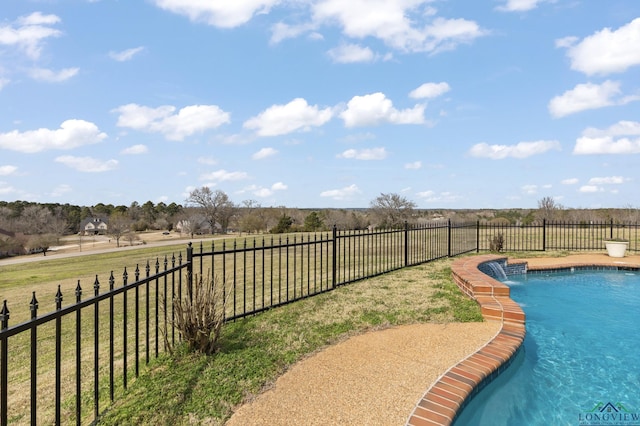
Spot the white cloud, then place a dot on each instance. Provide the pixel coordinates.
(61, 190)
(187, 121)
(376, 108)
(433, 197)
(351, 53)
(590, 189)
(608, 180)
(125, 55)
(43, 74)
(519, 5)
(341, 194)
(404, 25)
(587, 96)
(566, 41)
(210, 161)
(87, 164)
(607, 51)
(358, 137)
(621, 128)
(413, 166)
(224, 14)
(7, 170)
(135, 149)
(4, 82)
(364, 154)
(5, 189)
(297, 115)
(520, 150)
(235, 139)
(262, 192)
(609, 141)
(71, 134)
(569, 181)
(264, 153)
(430, 90)
(28, 33)
(281, 31)
(223, 176)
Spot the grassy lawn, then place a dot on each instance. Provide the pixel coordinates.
(196, 389)
(188, 388)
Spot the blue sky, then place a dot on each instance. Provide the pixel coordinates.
(321, 103)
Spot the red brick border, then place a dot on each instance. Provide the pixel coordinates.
(447, 396)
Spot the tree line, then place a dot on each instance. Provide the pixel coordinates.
(28, 226)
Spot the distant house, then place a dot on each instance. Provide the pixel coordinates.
(195, 225)
(94, 226)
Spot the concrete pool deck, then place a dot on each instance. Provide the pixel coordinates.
(379, 378)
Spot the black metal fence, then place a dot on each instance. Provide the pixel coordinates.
(68, 365)
(570, 236)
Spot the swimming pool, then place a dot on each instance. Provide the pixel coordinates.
(579, 364)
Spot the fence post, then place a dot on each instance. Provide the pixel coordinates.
(190, 271)
(33, 306)
(59, 355)
(544, 234)
(334, 266)
(448, 237)
(406, 244)
(477, 236)
(4, 386)
(611, 229)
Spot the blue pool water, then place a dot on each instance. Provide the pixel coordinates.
(580, 362)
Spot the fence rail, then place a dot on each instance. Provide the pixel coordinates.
(67, 365)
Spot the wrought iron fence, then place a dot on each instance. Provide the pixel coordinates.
(545, 235)
(69, 364)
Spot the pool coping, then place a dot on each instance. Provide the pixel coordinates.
(451, 392)
(455, 388)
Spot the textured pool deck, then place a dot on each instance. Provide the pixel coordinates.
(380, 378)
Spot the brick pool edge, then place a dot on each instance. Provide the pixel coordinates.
(450, 393)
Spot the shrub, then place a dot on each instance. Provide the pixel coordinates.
(199, 315)
(497, 243)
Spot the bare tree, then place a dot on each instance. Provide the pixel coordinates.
(119, 225)
(6, 219)
(131, 237)
(41, 242)
(34, 219)
(548, 209)
(392, 210)
(252, 217)
(216, 206)
(630, 214)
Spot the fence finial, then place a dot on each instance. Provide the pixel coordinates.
(59, 298)
(4, 315)
(33, 305)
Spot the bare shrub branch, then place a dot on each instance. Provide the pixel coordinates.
(199, 316)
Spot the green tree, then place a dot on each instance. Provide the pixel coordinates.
(313, 222)
(284, 225)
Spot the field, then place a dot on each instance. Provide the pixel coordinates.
(353, 308)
